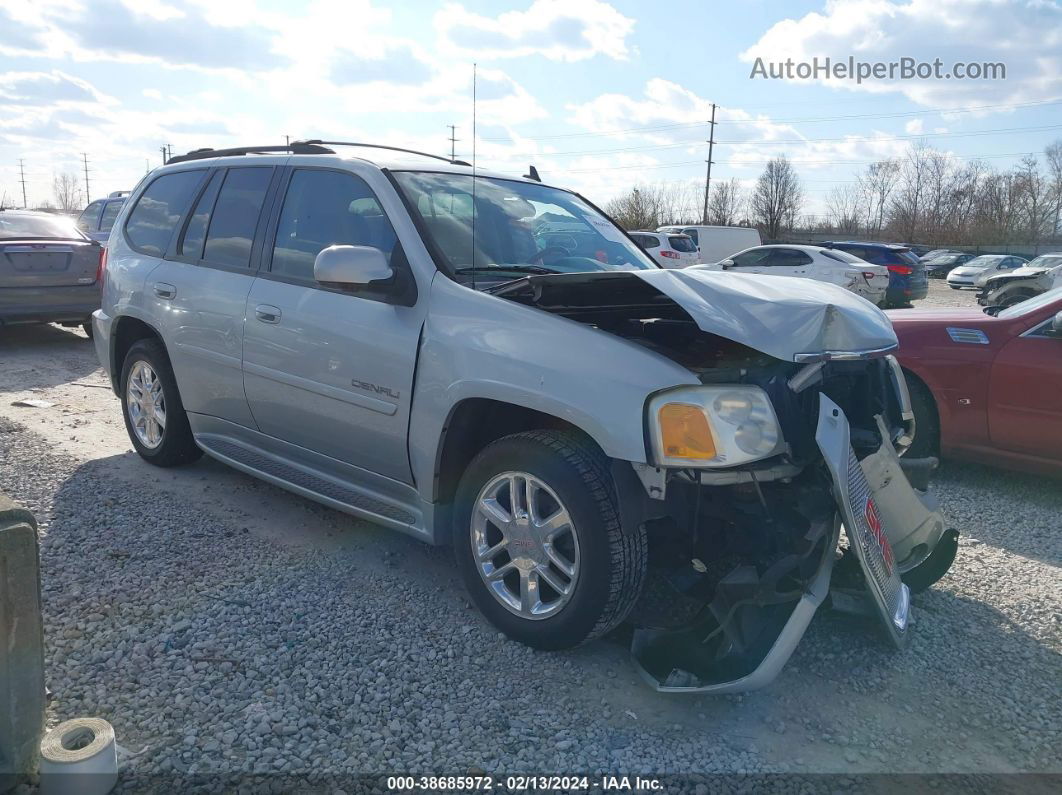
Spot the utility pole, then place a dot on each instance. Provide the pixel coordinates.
(84, 160)
(453, 141)
(708, 176)
(22, 179)
(287, 140)
(163, 150)
(169, 152)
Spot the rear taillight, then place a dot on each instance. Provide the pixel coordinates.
(868, 275)
(670, 254)
(101, 269)
(903, 270)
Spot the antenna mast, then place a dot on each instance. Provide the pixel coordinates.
(474, 213)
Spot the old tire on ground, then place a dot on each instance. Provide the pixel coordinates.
(926, 573)
(927, 423)
(554, 569)
(151, 406)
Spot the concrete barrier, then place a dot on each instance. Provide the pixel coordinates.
(22, 699)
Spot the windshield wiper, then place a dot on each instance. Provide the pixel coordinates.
(534, 269)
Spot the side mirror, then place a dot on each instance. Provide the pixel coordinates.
(727, 263)
(351, 266)
(1056, 326)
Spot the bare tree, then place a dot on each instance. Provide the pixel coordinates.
(777, 198)
(844, 209)
(67, 192)
(648, 206)
(1053, 156)
(876, 187)
(725, 203)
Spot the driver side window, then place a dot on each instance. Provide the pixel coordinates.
(322, 209)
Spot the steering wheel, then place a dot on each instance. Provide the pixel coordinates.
(555, 251)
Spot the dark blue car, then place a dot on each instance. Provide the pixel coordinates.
(907, 274)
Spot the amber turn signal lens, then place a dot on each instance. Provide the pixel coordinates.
(685, 433)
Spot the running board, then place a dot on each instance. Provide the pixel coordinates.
(315, 486)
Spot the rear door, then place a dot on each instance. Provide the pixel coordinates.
(326, 369)
(200, 290)
(1025, 394)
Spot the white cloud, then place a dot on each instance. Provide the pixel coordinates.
(561, 30)
(914, 127)
(1025, 35)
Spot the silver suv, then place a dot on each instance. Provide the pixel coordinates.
(492, 363)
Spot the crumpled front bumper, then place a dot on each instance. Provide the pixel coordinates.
(891, 527)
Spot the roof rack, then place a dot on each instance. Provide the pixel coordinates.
(318, 142)
(295, 147)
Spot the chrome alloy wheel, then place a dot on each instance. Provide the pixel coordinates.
(525, 545)
(146, 404)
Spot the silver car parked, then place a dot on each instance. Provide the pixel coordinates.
(599, 439)
(98, 218)
(49, 271)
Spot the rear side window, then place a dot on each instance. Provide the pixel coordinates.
(842, 256)
(682, 244)
(325, 208)
(110, 213)
(90, 216)
(650, 241)
(788, 257)
(692, 233)
(235, 217)
(191, 244)
(159, 210)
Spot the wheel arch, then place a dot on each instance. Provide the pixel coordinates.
(917, 382)
(126, 331)
(475, 422)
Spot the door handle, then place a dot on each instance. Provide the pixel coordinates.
(267, 313)
(164, 290)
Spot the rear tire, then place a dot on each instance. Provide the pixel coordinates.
(175, 445)
(610, 561)
(927, 423)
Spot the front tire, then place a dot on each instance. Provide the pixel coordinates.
(151, 406)
(552, 567)
(927, 423)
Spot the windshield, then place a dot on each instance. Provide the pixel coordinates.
(520, 228)
(1025, 307)
(17, 226)
(1045, 261)
(983, 262)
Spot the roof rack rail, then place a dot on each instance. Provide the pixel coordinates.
(295, 147)
(318, 142)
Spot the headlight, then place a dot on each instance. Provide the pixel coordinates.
(712, 426)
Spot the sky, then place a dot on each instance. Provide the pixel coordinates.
(598, 95)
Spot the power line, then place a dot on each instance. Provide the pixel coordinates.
(22, 179)
(88, 195)
(708, 175)
(453, 141)
(691, 124)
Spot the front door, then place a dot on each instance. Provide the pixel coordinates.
(325, 369)
(1025, 394)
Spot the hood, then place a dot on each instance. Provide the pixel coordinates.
(966, 270)
(1022, 273)
(780, 315)
(784, 317)
(902, 318)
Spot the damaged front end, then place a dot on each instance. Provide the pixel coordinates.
(750, 534)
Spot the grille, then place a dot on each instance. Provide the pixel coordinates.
(310, 482)
(872, 545)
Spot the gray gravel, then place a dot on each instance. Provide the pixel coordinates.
(212, 650)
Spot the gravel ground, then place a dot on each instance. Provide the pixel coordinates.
(215, 644)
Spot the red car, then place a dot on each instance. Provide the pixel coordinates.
(986, 384)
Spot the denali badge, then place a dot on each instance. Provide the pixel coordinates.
(379, 390)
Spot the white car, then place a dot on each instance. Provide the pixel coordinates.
(986, 265)
(668, 250)
(715, 242)
(813, 262)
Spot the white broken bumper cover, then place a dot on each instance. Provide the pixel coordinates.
(874, 515)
